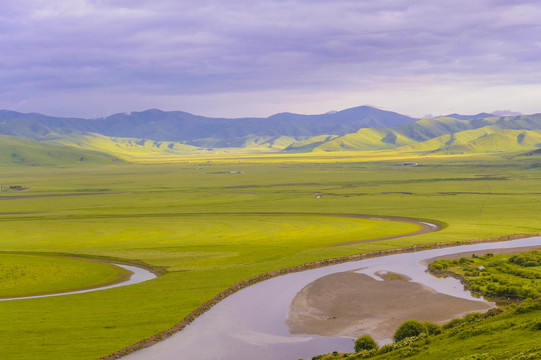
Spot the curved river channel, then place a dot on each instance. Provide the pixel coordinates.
(138, 275)
(250, 324)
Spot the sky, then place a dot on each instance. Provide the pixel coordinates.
(240, 58)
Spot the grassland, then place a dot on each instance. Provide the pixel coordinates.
(28, 274)
(209, 228)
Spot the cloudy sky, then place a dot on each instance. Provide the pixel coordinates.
(233, 58)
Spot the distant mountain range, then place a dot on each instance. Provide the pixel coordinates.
(199, 130)
(155, 132)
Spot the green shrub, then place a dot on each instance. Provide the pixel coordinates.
(363, 354)
(432, 328)
(472, 317)
(385, 349)
(408, 329)
(453, 323)
(529, 305)
(365, 342)
(408, 342)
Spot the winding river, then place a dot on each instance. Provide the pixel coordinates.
(139, 274)
(252, 322)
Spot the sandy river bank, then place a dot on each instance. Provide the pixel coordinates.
(352, 304)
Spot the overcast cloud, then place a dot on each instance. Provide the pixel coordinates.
(245, 58)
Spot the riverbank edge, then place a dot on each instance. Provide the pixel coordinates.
(307, 266)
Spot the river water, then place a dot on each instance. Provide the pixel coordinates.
(250, 324)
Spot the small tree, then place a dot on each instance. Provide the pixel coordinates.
(408, 329)
(365, 342)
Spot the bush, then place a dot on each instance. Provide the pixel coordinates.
(385, 349)
(365, 342)
(406, 343)
(432, 328)
(453, 323)
(528, 305)
(408, 329)
(536, 326)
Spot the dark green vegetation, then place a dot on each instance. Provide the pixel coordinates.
(213, 220)
(500, 276)
(365, 342)
(408, 329)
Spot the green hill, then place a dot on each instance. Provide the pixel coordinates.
(487, 139)
(425, 129)
(122, 147)
(444, 134)
(268, 143)
(378, 138)
(19, 151)
(309, 144)
(159, 133)
(27, 129)
(452, 139)
(505, 140)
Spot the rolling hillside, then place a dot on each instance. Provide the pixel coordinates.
(367, 139)
(155, 133)
(122, 147)
(444, 134)
(20, 151)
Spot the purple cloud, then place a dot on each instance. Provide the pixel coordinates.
(166, 53)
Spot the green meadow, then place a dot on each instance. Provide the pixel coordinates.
(28, 274)
(209, 220)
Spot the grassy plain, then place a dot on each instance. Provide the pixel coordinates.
(28, 274)
(209, 228)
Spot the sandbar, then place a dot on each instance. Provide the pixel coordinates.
(350, 304)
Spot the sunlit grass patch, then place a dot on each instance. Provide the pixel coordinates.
(25, 274)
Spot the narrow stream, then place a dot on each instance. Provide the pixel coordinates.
(138, 275)
(250, 324)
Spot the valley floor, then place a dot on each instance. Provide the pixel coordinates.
(207, 228)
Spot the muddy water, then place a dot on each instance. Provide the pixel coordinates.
(251, 324)
(138, 275)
